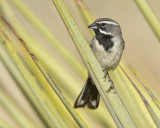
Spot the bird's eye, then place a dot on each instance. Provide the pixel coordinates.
(103, 25)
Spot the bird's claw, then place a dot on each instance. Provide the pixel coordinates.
(105, 74)
(110, 81)
(111, 87)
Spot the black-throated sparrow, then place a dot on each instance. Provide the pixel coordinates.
(107, 45)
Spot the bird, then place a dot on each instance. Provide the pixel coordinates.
(107, 46)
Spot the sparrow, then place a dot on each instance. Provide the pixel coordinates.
(108, 46)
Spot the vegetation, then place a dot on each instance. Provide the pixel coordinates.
(50, 88)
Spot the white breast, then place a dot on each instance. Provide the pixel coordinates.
(110, 59)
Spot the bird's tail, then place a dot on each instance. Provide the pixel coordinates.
(89, 95)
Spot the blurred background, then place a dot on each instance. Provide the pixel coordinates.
(142, 48)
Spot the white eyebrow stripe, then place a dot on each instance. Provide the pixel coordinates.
(105, 33)
(108, 22)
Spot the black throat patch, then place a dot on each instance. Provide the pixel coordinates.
(105, 41)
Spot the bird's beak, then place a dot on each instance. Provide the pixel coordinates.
(92, 26)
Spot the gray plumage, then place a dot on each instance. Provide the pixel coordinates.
(107, 45)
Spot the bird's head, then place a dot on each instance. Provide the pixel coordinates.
(106, 27)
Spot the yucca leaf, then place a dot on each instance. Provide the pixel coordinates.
(17, 115)
(66, 80)
(117, 110)
(117, 75)
(150, 109)
(34, 87)
(46, 94)
(131, 99)
(4, 124)
(54, 67)
(133, 102)
(150, 91)
(26, 83)
(149, 15)
(45, 32)
(77, 118)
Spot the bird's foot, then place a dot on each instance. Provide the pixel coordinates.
(111, 87)
(105, 74)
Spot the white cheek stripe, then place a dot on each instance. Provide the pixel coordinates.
(108, 22)
(105, 33)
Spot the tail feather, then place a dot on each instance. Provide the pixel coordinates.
(84, 95)
(89, 95)
(94, 98)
